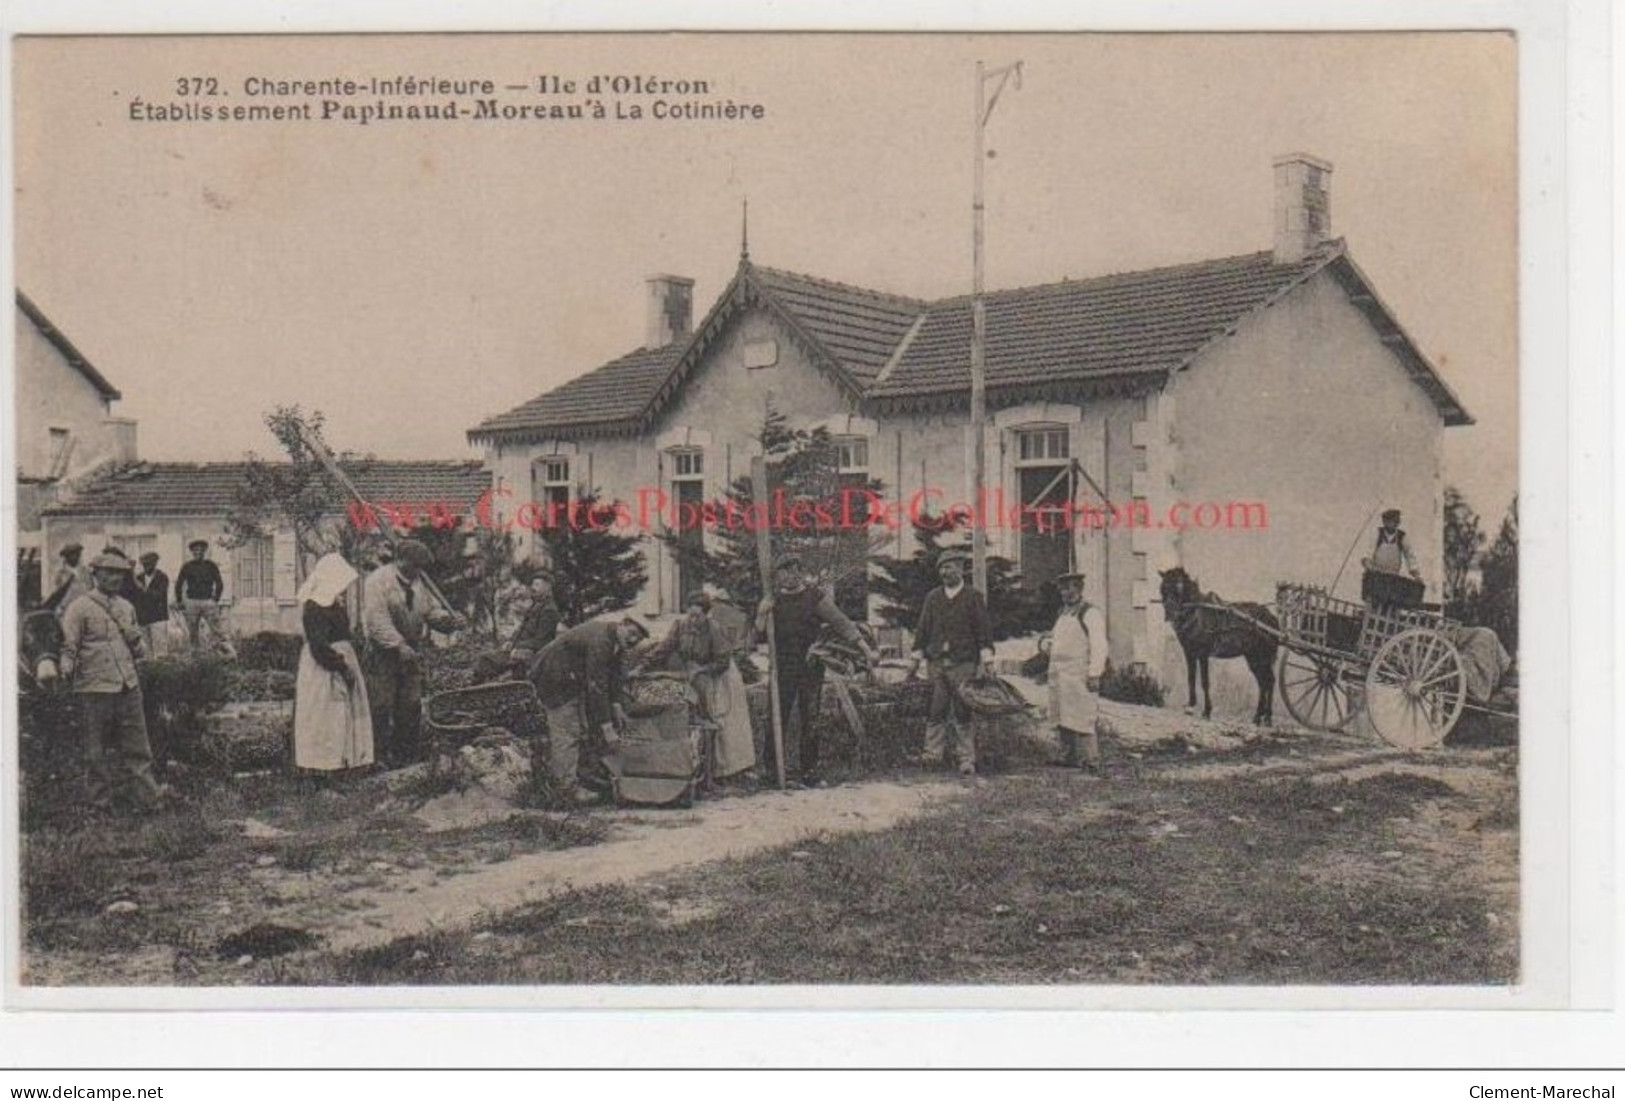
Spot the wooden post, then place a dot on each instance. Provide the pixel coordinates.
(764, 561)
(331, 465)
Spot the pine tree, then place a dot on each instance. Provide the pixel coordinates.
(1463, 542)
(596, 569)
(904, 582)
(814, 511)
(1498, 596)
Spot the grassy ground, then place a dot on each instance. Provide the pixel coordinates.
(1285, 860)
(1039, 878)
(190, 872)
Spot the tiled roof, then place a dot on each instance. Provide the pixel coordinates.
(75, 358)
(892, 351)
(210, 489)
(1146, 321)
(608, 397)
(860, 328)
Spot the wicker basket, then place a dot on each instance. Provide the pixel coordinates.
(456, 718)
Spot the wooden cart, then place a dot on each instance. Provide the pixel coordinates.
(1397, 664)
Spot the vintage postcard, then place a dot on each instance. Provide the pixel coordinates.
(770, 518)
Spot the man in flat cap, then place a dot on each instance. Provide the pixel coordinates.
(150, 586)
(198, 591)
(397, 613)
(954, 636)
(1391, 556)
(1077, 661)
(800, 610)
(101, 642)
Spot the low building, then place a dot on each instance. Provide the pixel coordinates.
(163, 507)
(1242, 417)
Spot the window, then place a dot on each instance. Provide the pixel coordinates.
(853, 452)
(688, 492)
(61, 448)
(134, 546)
(1043, 445)
(554, 496)
(1044, 481)
(255, 573)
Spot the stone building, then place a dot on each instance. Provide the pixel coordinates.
(1242, 417)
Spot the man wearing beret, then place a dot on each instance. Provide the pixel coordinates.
(198, 590)
(955, 638)
(101, 642)
(397, 612)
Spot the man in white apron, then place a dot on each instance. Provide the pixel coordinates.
(1077, 659)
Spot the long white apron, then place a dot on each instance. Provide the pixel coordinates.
(725, 700)
(332, 725)
(1071, 703)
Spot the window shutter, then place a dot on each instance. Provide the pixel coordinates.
(284, 565)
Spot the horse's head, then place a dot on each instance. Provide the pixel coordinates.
(39, 644)
(1178, 589)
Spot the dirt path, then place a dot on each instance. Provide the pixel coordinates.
(415, 900)
(403, 881)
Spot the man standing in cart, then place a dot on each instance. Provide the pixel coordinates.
(1390, 558)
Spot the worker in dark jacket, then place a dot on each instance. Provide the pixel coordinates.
(151, 589)
(955, 637)
(580, 678)
(198, 592)
(800, 611)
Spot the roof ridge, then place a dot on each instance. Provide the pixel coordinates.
(1164, 270)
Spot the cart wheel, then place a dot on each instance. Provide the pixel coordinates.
(1416, 689)
(1315, 692)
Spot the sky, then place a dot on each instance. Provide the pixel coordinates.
(411, 278)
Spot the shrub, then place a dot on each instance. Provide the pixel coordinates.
(258, 685)
(1132, 685)
(270, 650)
(180, 690)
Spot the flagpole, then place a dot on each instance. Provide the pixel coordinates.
(978, 352)
(978, 324)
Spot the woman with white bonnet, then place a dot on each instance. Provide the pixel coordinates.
(332, 725)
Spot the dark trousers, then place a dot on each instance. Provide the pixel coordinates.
(395, 696)
(801, 689)
(117, 754)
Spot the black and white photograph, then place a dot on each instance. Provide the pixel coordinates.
(927, 511)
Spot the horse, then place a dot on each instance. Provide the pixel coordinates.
(1206, 629)
(39, 648)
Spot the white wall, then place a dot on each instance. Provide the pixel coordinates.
(1307, 411)
(51, 394)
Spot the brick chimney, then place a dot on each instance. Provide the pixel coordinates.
(671, 310)
(1303, 212)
